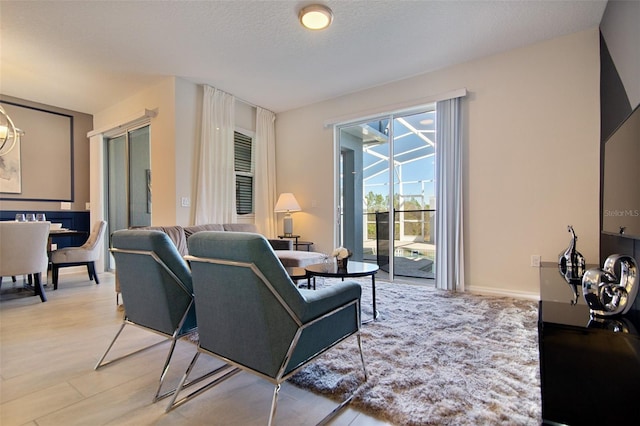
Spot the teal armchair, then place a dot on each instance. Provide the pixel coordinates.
(251, 315)
(157, 291)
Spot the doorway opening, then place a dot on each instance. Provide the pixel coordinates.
(387, 184)
(128, 180)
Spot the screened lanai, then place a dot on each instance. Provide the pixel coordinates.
(388, 176)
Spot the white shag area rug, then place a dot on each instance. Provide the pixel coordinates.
(437, 358)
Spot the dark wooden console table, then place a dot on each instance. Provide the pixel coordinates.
(589, 367)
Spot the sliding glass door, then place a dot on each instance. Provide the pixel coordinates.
(128, 179)
(387, 192)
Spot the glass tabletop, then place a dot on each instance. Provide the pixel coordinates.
(296, 273)
(354, 269)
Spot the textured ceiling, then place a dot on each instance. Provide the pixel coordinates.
(88, 55)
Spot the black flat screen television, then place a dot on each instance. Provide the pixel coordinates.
(621, 179)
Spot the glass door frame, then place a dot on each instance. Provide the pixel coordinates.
(339, 164)
(107, 136)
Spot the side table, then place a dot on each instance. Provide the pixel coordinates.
(305, 244)
(296, 243)
(293, 237)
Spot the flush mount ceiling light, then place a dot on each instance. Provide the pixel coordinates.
(315, 17)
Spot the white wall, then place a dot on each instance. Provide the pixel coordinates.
(188, 118)
(531, 139)
(175, 136)
(532, 157)
(160, 97)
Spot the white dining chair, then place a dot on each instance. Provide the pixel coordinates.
(23, 251)
(85, 255)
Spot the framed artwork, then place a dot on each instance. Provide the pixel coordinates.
(11, 171)
(40, 168)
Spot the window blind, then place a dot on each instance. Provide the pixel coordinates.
(244, 173)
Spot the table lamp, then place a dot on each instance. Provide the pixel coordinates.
(287, 203)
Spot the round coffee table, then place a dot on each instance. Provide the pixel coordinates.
(354, 270)
(297, 273)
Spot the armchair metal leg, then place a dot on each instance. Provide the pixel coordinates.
(172, 403)
(274, 404)
(338, 409)
(165, 368)
(167, 363)
(101, 363)
(364, 367)
(227, 369)
(347, 401)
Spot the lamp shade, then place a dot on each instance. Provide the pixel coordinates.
(287, 203)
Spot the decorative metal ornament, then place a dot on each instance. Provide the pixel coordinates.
(612, 289)
(617, 324)
(571, 264)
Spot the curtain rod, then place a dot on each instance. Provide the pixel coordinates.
(251, 104)
(132, 120)
(395, 108)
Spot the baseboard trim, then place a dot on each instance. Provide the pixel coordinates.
(492, 291)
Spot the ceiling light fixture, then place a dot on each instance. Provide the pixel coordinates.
(9, 134)
(315, 17)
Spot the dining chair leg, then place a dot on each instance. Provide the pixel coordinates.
(37, 285)
(54, 275)
(13, 279)
(89, 271)
(91, 268)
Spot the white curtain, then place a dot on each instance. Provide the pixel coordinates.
(449, 232)
(264, 182)
(216, 180)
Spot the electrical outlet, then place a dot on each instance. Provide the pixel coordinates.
(65, 205)
(185, 202)
(535, 260)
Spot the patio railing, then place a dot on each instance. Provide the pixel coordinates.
(413, 246)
